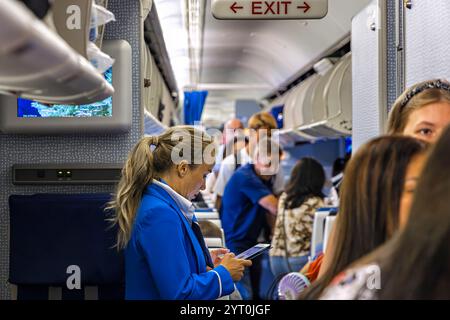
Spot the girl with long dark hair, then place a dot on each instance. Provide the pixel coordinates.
(293, 228)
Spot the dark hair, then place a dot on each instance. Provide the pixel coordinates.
(307, 180)
(369, 202)
(418, 263)
(339, 165)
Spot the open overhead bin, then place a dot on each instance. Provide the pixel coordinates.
(37, 64)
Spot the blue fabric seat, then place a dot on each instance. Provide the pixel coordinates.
(50, 232)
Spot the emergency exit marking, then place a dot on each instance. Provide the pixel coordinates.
(269, 9)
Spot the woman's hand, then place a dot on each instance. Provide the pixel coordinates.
(235, 266)
(217, 255)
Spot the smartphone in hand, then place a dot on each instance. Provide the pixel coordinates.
(254, 251)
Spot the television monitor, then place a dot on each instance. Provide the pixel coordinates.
(28, 108)
(111, 115)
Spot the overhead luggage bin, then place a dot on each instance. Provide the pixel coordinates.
(37, 64)
(333, 103)
(293, 110)
(340, 97)
(288, 110)
(318, 103)
(307, 106)
(320, 107)
(293, 115)
(301, 114)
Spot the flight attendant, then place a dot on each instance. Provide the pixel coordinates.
(165, 253)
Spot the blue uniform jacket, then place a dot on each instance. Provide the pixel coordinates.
(163, 259)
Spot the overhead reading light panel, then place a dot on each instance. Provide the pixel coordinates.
(35, 63)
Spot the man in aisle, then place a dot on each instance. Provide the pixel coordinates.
(231, 130)
(260, 125)
(248, 201)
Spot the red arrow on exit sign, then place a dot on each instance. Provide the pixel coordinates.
(306, 6)
(235, 7)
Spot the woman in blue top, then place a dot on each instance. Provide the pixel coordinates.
(165, 253)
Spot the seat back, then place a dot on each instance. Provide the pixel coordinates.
(62, 247)
(319, 226)
(329, 222)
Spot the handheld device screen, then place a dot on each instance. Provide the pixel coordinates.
(253, 251)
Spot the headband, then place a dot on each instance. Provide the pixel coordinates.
(437, 84)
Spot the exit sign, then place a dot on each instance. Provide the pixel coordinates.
(269, 9)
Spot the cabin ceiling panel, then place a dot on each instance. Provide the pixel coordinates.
(276, 49)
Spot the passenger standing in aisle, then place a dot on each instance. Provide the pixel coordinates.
(260, 126)
(247, 199)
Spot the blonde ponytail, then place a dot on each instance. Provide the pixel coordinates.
(136, 174)
(149, 158)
